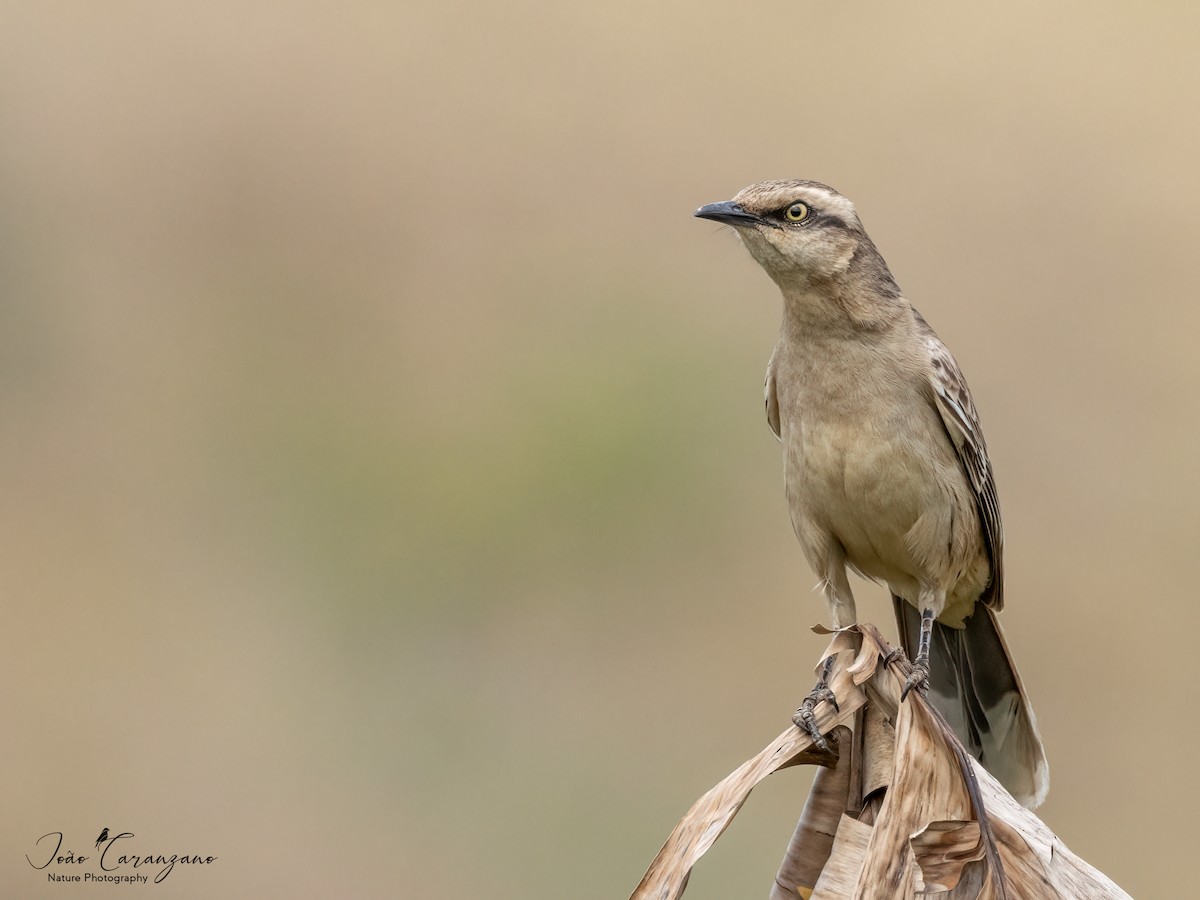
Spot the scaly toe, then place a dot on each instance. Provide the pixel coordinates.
(823, 692)
(919, 679)
(806, 717)
(894, 653)
(806, 720)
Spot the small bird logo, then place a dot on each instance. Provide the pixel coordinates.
(103, 837)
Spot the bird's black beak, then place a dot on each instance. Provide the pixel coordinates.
(727, 212)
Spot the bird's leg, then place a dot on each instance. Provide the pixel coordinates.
(919, 678)
(841, 610)
(805, 717)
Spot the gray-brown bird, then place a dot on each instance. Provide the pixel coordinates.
(885, 467)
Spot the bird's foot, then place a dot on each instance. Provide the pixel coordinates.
(919, 678)
(805, 717)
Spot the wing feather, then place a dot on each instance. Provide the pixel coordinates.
(771, 399)
(961, 419)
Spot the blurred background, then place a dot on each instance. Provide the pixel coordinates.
(389, 505)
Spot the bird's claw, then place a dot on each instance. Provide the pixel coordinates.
(823, 692)
(918, 678)
(806, 718)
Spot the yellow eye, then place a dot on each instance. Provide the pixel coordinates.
(797, 212)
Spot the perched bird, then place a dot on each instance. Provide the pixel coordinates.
(885, 467)
(103, 837)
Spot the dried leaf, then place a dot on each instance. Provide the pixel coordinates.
(711, 814)
(878, 750)
(845, 862)
(942, 849)
(944, 826)
(813, 839)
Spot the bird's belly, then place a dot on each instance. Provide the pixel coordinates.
(867, 490)
(900, 510)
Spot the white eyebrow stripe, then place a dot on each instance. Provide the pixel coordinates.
(769, 196)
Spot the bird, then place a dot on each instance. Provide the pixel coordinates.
(103, 837)
(886, 471)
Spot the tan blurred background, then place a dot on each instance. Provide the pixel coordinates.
(389, 507)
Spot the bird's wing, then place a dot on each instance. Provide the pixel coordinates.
(771, 398)
(961, 419)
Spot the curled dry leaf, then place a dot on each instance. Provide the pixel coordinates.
(942, 849)
(900, 811)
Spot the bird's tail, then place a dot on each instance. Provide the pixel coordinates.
(974, 684)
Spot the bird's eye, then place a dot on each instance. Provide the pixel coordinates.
(797, 212)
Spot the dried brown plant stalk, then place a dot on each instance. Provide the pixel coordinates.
(898, 811)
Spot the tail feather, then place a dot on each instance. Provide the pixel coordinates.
(974, 684)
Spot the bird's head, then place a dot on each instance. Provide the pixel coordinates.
(802, 232)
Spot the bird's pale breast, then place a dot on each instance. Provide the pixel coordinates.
(887, 489)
